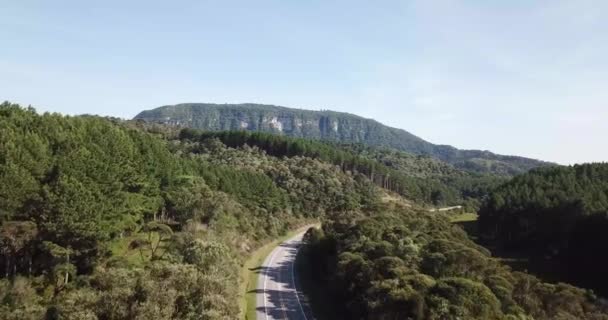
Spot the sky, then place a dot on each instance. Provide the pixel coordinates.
(515, 77)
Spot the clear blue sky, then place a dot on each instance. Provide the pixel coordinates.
(515, 77)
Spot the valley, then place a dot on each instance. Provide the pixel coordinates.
(129, 219)
(303, 160)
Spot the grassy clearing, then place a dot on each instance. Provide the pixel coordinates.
(133, 257)
(468, 221)
(249, 278)
(464, 217)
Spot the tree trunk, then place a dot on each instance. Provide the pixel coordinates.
(151, 245)
(67, 274)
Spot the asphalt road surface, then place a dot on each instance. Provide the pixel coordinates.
(276, 294)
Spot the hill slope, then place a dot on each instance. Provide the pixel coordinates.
(102, 219)
(556, 217)
(330, 125)
(417, 178)
(109, 219)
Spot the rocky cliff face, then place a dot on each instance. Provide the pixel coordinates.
(292, 122)
(329, 125)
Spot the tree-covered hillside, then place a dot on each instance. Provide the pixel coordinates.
(470, 187)
(560, 214)
(108, 219)
(329, 125)
(100, 219)
(417, 178)
(402, 263)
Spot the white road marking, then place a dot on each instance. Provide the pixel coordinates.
(281, 255)
(293, 281)
(266, 278)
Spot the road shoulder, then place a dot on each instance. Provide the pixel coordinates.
(249, 277)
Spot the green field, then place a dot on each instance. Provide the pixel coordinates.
(464, 217)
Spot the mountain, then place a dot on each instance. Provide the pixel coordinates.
(330, 125)
(108, 219)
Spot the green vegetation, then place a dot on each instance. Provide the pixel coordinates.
(317, 295)
(414, 177)
(108, 219)
(464, 217)
(402, 263)
(332, 126)
(451, 185)
(557, 218)
(104, 219)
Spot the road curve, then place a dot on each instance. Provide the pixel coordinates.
(276, 293)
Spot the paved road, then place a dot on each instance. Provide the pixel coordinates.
(445, 209)
(277, 297)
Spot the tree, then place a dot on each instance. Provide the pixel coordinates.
(16, 237)
(157, 234)
(63, 268)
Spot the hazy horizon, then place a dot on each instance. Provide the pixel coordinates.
(514, 78)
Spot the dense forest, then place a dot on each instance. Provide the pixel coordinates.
(417, 178)
(332, 126)
(102, 219)
(556, 216)
(462, 187)
(402, 263)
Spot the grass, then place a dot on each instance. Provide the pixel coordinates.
(468, 221)
(249, 278)
(464, 217)
(120, 248)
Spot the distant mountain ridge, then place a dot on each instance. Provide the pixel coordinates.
(333, 126)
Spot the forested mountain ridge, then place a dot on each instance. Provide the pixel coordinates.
(330, 125)
(108, 219)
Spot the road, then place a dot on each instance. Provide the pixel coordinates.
(445, 209)
(276, 294)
